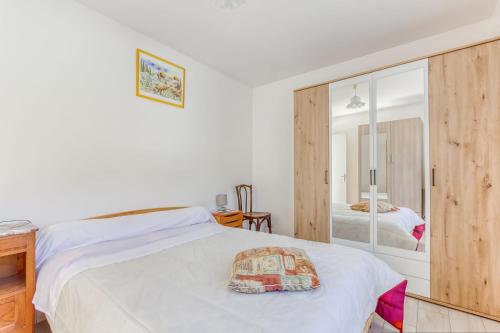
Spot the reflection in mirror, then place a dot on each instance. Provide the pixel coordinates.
(350, 110)
(400, 178)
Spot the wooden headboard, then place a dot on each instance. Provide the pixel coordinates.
(133, 212)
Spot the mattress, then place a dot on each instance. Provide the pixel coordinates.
(394, 228)
(175, 280)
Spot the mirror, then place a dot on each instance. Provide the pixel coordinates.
(391, 151)
(400, 160)
(350, 164)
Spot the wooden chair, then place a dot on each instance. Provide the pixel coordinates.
(244, 195)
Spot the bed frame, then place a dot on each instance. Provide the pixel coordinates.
(134, 212)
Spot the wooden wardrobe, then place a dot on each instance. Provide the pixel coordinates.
(464, 111)
(464, 134)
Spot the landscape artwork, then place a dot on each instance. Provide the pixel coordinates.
(159, 79)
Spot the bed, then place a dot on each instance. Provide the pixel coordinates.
(167, 271)
(401, 229)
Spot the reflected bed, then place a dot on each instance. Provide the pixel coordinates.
(402, 229)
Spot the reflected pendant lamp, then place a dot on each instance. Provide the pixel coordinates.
(356, 101)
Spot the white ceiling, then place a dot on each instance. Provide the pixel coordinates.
(267, 40)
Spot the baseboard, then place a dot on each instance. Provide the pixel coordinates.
(451, 306)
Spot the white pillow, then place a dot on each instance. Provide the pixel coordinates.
(56, 238)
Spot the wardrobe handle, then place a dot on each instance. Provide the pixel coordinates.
(373, 177)
(326, 177)
(433, 177)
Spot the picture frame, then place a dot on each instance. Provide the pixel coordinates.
(160, 80)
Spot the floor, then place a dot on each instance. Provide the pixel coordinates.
(420, 316)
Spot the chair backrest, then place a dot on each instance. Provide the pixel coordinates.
(244, 196)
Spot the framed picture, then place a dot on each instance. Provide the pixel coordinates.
(159, 80)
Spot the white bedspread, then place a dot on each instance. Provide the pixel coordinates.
(175, 280)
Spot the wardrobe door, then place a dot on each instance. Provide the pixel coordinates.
(311, 164)
(350, 162)
(401, 116)
(464, 89)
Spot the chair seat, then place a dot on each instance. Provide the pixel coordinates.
(255, 215)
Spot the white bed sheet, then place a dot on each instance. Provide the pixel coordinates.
(176, 281)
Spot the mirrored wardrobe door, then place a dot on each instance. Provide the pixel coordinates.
(400, 177)
(350, 162)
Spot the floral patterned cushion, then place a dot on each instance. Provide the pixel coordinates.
(266, 269)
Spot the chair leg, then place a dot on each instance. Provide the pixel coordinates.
(257, 224)
(250, 224)
(269, 224)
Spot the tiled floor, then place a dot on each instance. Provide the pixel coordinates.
(419, 317)
(422, 316)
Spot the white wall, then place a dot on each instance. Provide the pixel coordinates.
(272, 172)
(76, 141)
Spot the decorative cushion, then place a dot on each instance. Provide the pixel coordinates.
(267, 269)
(382, 207)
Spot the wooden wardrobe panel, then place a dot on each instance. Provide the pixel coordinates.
(311, 153)
(405, 167)
(464, 102)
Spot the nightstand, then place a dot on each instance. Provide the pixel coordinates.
(233, 219)
(17, 277)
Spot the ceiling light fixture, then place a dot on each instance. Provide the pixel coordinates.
(230, 4)
(356, 101)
